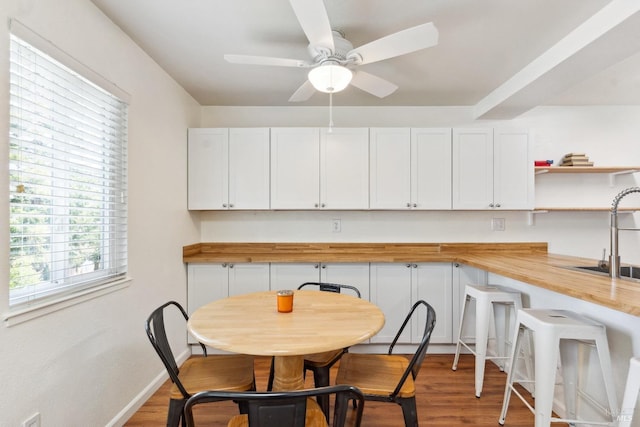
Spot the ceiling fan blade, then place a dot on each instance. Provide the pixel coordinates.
(373, 84)
(266, 60)
(303, 93)
(314, 21)
(396, 44)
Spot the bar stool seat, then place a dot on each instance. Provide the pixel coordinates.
(488, 299)
(564, 330)
(630, 398)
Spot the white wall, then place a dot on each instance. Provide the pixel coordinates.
(82, 365)
(609, 136)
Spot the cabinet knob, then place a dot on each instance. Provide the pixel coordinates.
(324, 266)
(230, 265)
(490, 205)
(415, 205)
(408, 205)
(323, 205)
(316, 205)
(408, 265)
(230, 205)
(224, 264)
(497, 205)
(415, 266)
(224, 205)
(316, 266)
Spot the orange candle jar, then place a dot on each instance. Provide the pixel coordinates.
(285, 301)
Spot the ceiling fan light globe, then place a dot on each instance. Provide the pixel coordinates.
(330, 78)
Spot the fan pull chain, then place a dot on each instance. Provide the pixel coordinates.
(330, 112)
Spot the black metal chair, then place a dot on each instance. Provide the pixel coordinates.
(283, 409)
(389, 377)
(320, 363)
(217, 372)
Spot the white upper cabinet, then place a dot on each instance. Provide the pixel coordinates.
(344, 168)
(390, 168)
(492, 170)
(313, 168)
(431, 168)
(295, 168)
(228, 168)
(410, 168)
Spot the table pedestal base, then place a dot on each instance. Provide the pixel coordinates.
(288, 373)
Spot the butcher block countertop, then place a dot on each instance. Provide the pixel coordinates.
(527, 262)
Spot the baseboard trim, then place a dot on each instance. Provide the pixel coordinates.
(146, 393)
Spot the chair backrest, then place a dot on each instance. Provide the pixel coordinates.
(418, 357)
(157, 335)
(331, 287)
(284, 408)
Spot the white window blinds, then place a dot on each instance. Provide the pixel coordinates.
(68, 179)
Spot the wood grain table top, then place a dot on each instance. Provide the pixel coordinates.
(251, 324)
(527, 262)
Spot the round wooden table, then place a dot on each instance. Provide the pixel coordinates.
(320, 321)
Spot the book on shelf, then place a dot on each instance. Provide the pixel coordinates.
(576, 163)
(575, 155)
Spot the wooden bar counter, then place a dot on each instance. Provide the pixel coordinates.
(527, 262)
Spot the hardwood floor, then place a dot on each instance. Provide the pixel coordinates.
(445, 399)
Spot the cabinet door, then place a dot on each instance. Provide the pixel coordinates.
(432, 282)
(249, 168)
(205, 283)
(208, 171)
(390, 289)
(356, 274)
(247, 278)
(472, 169)
(292, 275)
(513, 170)
(344, 168)
(431, 168)
(390, 168)
(295, 168)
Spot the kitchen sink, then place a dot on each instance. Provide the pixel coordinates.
(626, 272)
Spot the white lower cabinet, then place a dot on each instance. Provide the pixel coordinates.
(292, 275)
(210, 282)
(395, 287)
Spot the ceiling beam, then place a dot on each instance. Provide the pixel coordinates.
(608, 37)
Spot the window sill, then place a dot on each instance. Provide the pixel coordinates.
(25, 314)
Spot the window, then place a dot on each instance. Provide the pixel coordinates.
(68, 179)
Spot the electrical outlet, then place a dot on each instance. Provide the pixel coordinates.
(32, 421)
(497, 224)
(336, 225)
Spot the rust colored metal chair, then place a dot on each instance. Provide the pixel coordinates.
(388, 377)
(216, 372)
(283, 409)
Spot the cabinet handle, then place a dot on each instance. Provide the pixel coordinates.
(323, 205)
(224, 205)
(456, 265)
(408, 205)
(230, 265)
(316, 205)
(490, 205)
(316, 266)
(408, 265)
(324, 266)
(497, 205)
(224, 265)
(415, 205)
(230, 205)
(415, 265)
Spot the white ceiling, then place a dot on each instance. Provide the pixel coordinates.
(482, 44)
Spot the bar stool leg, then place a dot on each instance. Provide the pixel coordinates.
(515, 349)
(483, 318)
(546, 363)
(458, 345)
(630, 393)
(568, 363)
(500, 314)
(605, 364)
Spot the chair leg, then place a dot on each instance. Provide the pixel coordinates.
(409, 411)
(175, 413)
(271, 375)
(321, 379)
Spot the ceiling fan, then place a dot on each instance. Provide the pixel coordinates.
(333, 57)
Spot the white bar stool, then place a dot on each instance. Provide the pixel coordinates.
(487, 298)
(630, 398)
(553, 329)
